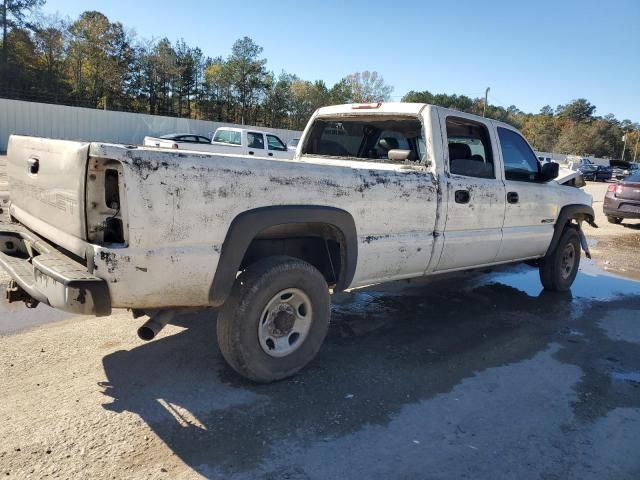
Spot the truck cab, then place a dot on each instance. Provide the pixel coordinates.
(242, 141)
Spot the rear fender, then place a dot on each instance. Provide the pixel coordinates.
(246, 226)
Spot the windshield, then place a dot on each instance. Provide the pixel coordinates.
(365, 138)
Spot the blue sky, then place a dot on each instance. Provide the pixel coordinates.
(531, 53)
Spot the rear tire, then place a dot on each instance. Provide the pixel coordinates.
(559, 268)
(275, 319)
(616, 220)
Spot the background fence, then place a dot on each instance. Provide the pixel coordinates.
(76, 123)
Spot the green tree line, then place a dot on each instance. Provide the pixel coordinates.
(96, 63)
(570, 129)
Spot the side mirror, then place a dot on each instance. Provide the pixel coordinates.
(549, 171)
(398, 155)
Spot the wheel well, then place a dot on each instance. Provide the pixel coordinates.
(570, 216)
(320, 244)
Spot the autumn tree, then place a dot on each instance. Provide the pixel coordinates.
(248, 73)
(578, 110)
(15, 16)
(100, 56)
(368, 87)
(51, 43)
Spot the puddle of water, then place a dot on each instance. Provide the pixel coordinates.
(627, 376)
(356, 302)
(591, 282)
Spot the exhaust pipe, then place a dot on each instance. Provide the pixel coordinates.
(158, 320)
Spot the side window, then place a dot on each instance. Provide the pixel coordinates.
(255, 140)
(469, 148)
(520, 163)
(274, 143)
(227, 136)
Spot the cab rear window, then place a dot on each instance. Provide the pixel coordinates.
(365, 139)
(227, 136)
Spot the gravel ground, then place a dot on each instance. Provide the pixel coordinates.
(474, 376)
(615, 247)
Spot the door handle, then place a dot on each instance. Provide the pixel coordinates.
(512, 197)
(462, 196)
(250, 152)
(271, 154)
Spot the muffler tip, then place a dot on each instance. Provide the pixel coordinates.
(146, 333)
(157, 321)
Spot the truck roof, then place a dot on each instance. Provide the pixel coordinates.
(249, 129)
(392, 108)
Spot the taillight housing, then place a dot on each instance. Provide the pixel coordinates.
(611, 187)
(619, 189)
(105, 194)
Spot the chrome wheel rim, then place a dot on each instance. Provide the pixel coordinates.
(285, 322)
(568, 261)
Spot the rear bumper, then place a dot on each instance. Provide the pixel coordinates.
(50, 276)
(621, 207)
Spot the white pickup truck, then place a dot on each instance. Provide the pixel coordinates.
(375, 193)
(236, 141)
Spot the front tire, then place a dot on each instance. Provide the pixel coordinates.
(558, 269)
(616, 220)
(275, 319)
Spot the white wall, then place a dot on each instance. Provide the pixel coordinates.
(75, 123)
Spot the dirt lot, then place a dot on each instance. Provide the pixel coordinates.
(616, 247)
(477, 376)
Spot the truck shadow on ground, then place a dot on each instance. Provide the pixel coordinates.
(387, 347)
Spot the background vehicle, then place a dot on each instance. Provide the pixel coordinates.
(244, 141)
(175, 140)
(623, 169)
(237, 141)
(4, 187)
(622, 200)
(582, 164)
(602, 174)
(376, 193)
(293, 144)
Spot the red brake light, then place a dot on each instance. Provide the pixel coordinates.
(611, 187)
(365, 106)
(619, 189)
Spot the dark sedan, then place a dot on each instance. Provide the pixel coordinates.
(622, 200)
(603, 174)
(186, 138)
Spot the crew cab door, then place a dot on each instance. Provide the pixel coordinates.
(532, 206)
(474, 193)
(256, 144)
(276, 147)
